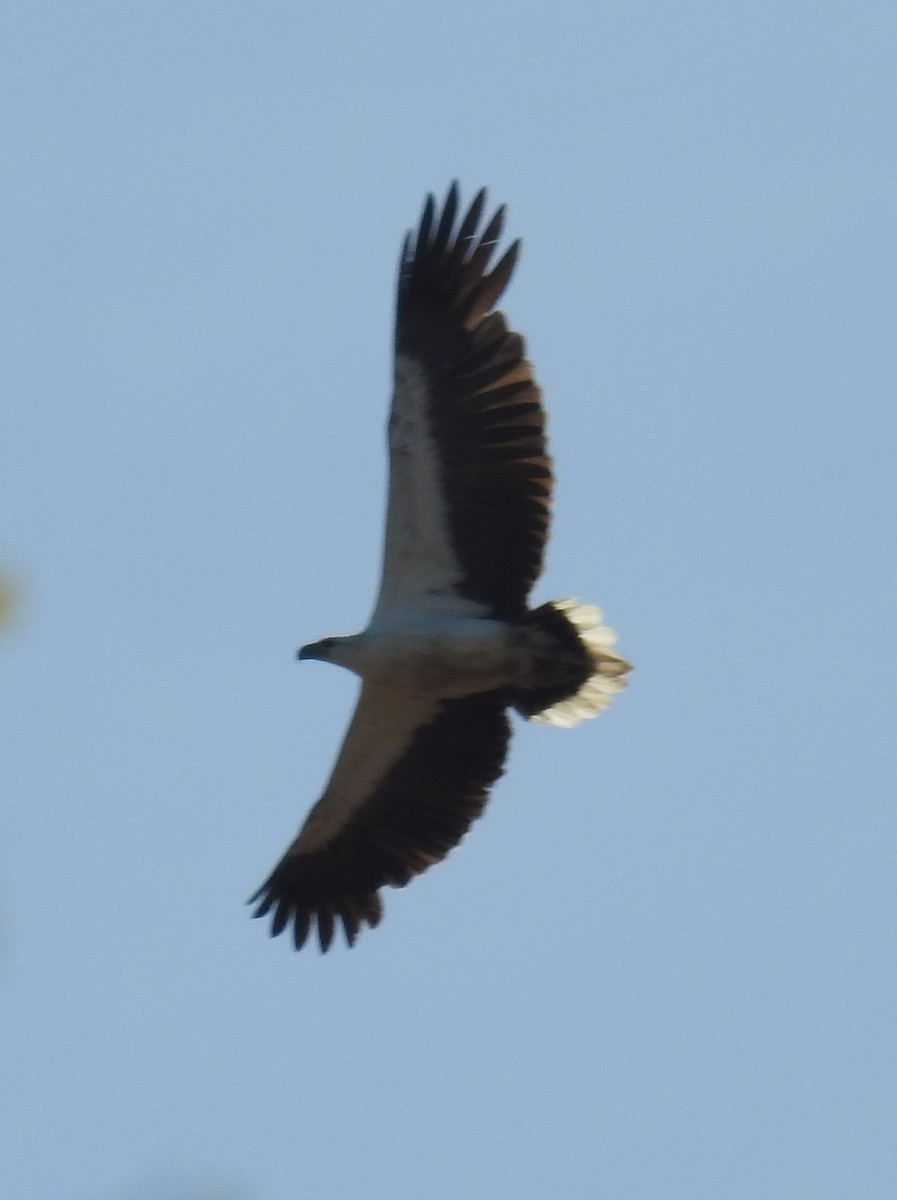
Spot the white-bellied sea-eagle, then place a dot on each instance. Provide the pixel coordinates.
(451, 645)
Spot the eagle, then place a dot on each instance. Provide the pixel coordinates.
(452, 645)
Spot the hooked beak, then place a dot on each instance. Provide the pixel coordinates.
(317, 650)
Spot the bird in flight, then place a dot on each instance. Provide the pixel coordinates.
(451, 644)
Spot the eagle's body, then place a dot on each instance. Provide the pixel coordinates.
(439, 656)
(451, 644)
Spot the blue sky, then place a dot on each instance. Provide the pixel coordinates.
(663, 964)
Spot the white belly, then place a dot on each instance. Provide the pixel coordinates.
(441, 656)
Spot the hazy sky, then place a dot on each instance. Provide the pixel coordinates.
(663, 964)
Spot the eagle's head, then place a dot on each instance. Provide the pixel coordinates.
(344, 651)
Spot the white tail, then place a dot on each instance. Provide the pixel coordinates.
(600, 688)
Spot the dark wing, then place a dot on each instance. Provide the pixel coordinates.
(470, 476)
(410, 779)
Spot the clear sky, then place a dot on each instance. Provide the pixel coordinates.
(663, 964)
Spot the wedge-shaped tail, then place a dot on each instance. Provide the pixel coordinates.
(580, 674)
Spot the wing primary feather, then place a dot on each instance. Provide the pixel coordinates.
(446, 222)
(489, 238)
(351, 925)
(405, 256)
(467, 232)
(325, 927)
(281, 917)
(301, 928)
(426, 223)
(493, 284)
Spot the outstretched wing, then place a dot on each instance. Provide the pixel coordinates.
(470, 476)
(411, 777)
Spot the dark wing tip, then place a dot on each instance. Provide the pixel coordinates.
(298, 897)
(447, 220)
(453, 263)
(426, 223)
